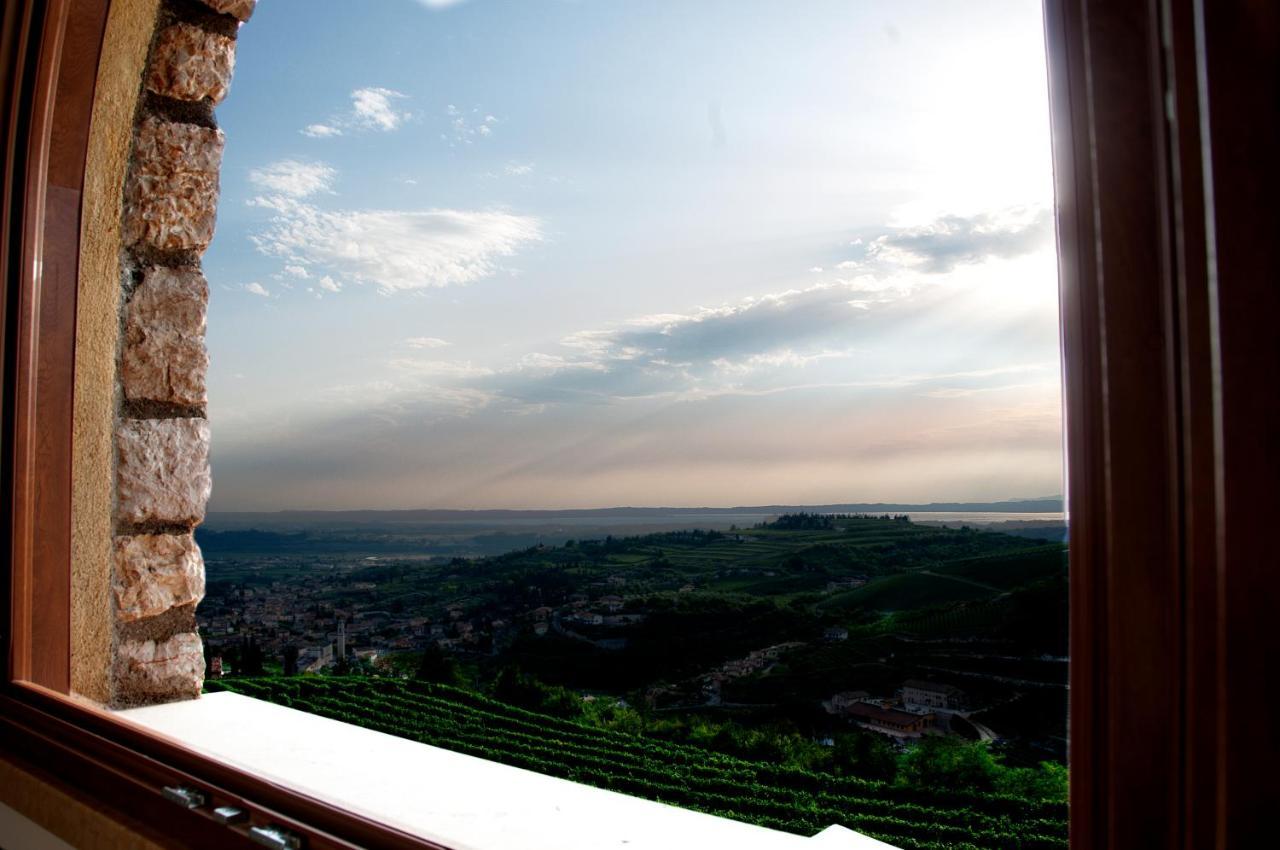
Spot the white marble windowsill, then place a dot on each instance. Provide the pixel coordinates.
(460, 801)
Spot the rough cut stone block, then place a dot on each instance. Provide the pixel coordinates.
(162, 473)
(151, 671)
(164, 354)
(171, 197)
(156, 572)
(189, 63)
(239, 9)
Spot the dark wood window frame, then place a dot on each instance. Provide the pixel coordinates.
(1165, 137)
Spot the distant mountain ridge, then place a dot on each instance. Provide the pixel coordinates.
(1048, 504)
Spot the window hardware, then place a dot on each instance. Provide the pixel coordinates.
(229, 814)
(273, 836)
(187, 797)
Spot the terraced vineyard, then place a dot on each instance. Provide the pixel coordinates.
(778, 797)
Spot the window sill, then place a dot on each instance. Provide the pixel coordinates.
(457, 800)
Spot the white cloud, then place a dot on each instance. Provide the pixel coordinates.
(372, 108)
(297, 271)
(421, 342)
(441, 4)
(256, 288)
(467, 127)
(293, 178)
(320, 131)
(392, 249)
(945, 243)
(329, 284)
(990, 275)
(452, 369)
(956, 372)
(518, 169)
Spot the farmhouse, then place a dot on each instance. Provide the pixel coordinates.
(890, 721)
(919, 694)
(839, 703)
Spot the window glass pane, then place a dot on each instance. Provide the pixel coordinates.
(675, 382)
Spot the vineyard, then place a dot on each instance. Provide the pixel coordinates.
(781, 798)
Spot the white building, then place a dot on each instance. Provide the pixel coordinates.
(315, 658)
(933, 696)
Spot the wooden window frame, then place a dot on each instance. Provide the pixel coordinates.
(1164, 133)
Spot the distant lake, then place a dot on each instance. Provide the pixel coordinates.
(473, 534)
(617, 520)
(984, 516)
(721, 519)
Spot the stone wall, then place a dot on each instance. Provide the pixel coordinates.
(162, 477)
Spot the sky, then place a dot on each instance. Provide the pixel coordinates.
(588, 253)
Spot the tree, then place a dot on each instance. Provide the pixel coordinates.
(865, 754)
(1046, 782)
(516, 688)
(948, 762)
(250, 658)
(436, 666)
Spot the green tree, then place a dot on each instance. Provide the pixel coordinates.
(250, 658)
(865, 754)
(1046, 782)
(948, 762)
(438, 667)
(517, 688)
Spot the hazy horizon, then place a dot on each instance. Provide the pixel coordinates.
(559, 255)
(563, 509)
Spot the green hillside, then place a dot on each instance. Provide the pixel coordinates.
(701, 668)
(766, 794)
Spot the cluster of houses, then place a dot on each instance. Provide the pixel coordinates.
(603, 612)
(756, 661)
(921, 708)
(300, 614)
(705, 689)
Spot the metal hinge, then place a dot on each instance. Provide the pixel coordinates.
(188, 798)
(274, 836)
(229, 815)
(268, 836)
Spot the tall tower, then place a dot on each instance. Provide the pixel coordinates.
(342, 639)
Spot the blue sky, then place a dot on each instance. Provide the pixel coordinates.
(574, 253)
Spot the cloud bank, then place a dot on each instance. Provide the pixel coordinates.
(394, 250)
(906, 375)
(292, 178)
(951, 241)
(425, 342)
